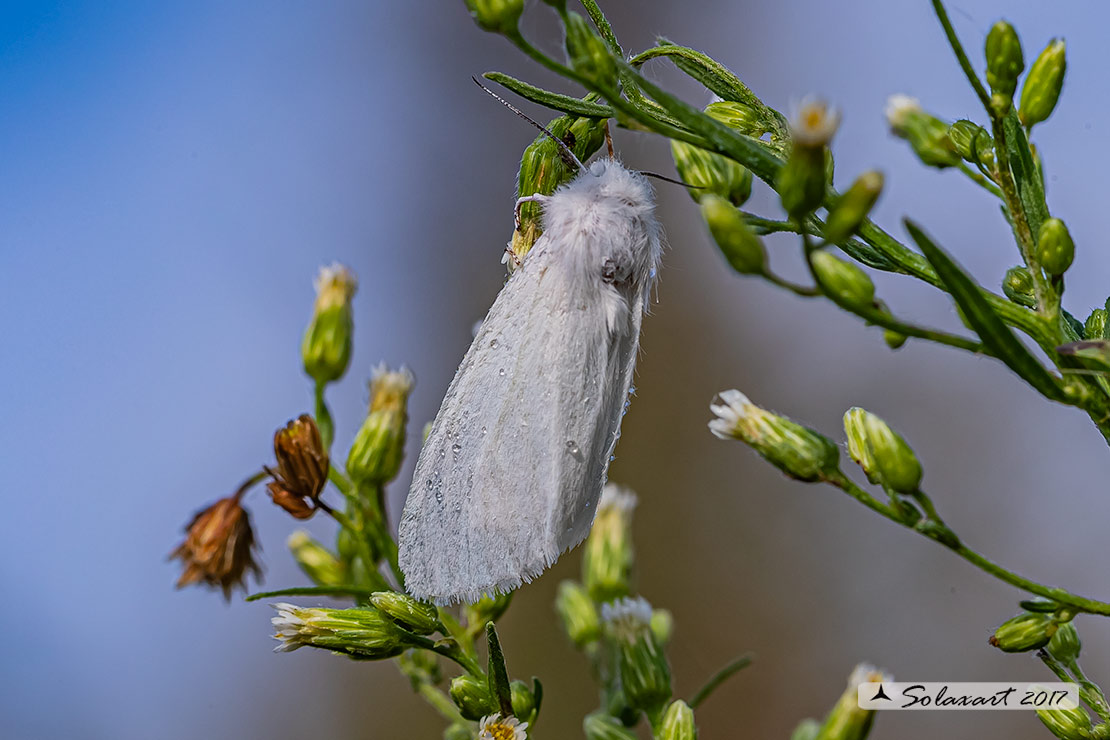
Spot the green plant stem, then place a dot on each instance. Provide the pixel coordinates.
(323, 416)
(340, 481)
(980, 180)
(802, 290)
(440, 702)
(249, 483)
(719, 678)
(1062, 596)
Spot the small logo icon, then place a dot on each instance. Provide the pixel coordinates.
(880, 694)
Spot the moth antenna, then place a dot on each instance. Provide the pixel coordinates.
(671, 180)
(564, 151)
(609, 141)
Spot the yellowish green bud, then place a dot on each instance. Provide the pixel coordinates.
(1004, 61)
(739, 116)
(927, 134)
(678, 723)
(893, 339)
(662, 626)
(580, 618)
(471, 695)
(589, 55)
(1065, 644)
(523, 700)
(885, 457)
(601, 726)
(846, 721)
(644, 674)
(1068, 724)
(608, 556)
(740, 245)
(803, 179)
(317, 561)
(376, 453)
(496, 16)
(326, 349)
(798, 451)
(711, 174)
(971, 141)
(843, 281)
(1025, 632)
(1055, 248)
(853, 207)
(1042, 85)
(1018, 287)
(1095, 326)
(359, 633)
(413, 615)
(542, 170)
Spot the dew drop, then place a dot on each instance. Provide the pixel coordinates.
(483, 431)
(456, 449)
(501, 372)
(574, 450)
(494, 344)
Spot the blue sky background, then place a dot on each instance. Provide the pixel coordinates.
(171, 177)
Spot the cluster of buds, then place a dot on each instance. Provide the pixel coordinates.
(496, 16)
(738, 243)
(712, 174)
(798, 451)
(302, 467)
(645, 677)
(218, 550)
(375, 455)
(804, 178)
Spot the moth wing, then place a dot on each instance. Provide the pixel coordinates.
(512, 468)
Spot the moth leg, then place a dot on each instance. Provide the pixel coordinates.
(609, 141)
(536, 198)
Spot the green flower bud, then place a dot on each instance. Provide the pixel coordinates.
(678, 723)
(375, 455)
(843, 281)
(413, 615)
(1065, 644)
(496, 16)
(1055, 249)
(317, 562)
(893, 339)
(644, 675)
(601, 726)
(1067, 724)
(1004, 61)
(971, 141)
(523, 700)
(588, 53)
(487, 609)
(711, 174)
(1018, 287)
(542, 170)
(1025, 632)
(608, 556)
(326, 349)
(740, 116)
(580, 617)
(471, 695)
(1095, 326)
(852, 207)
(802, 180)
(740, 245)
(927, 134)
(662, 626)
(884, 456)
(798, 451)
(1042, 84)
(846, 721)
(359, 633)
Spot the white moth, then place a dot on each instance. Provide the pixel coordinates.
(510, 474)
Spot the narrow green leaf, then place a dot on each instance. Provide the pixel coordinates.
(315, 591)
(996, 336)
(537, 694)
(498, 674)
(716, 77)
(563, 103)
(1028, 179)
(719, 678)
(751, 153)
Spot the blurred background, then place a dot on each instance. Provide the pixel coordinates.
(173, 174)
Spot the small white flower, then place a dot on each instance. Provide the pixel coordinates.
(616, 497)
(492, 727)
(865, 673)
(814, 123)
(289, 624)
(397, 381)
(729, 412)
(335, 274)
(899, 108)
(627, 610)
